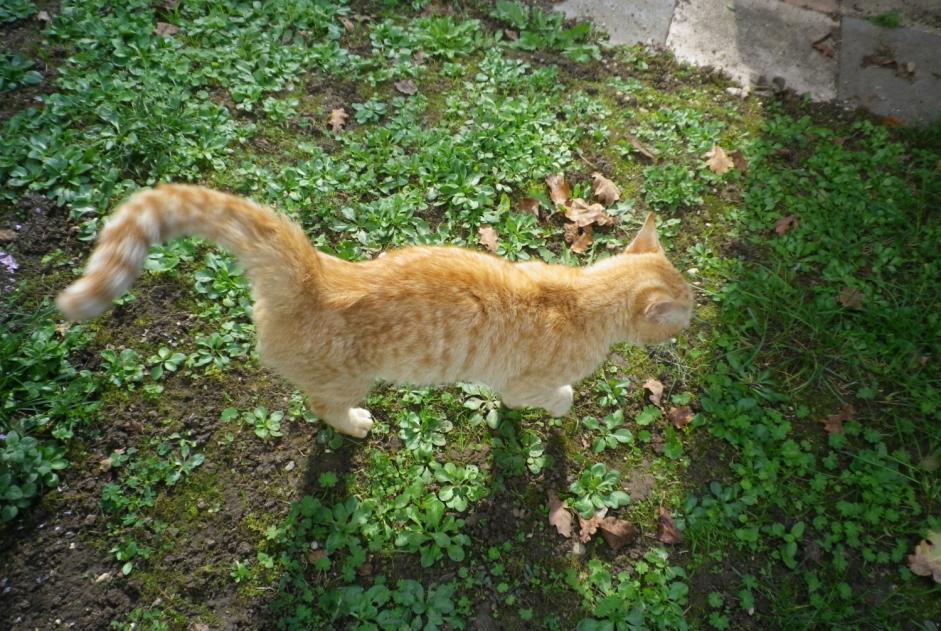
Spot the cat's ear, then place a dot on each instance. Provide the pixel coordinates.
(646, 241)
(668, 312)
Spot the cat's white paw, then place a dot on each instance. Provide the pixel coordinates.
(562, 402)
(359, 422)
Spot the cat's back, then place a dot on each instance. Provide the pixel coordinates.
(442, 274)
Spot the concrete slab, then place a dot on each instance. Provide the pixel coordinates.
(916, 98)
(922, 15)
(632, 22)
(751, 38)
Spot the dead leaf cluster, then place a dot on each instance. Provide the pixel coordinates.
(668, 532)
(927, 558)
(834, 423)
(785, 224)
(655, 388)
(488, 238)
(582, 214)
(617, 533)
(851, 298)
(337, 119)
(885, 58)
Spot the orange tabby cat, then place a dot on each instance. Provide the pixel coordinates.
(421, 315)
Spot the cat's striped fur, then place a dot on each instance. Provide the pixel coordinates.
(420, 315)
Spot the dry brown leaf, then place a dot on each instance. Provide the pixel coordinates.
(834, 423)
(584, 214)
(667, 531)
(655, 387)
(559, 516)
(511, 34)
(893, 122)
(165, 29)
(850, 297)
(785, 224)
(62, 328)
(570, 232)
(822, 47)
(681, 416)
(337, 119)
(7, 235)
(43, 16)
(643, 149)
(927, 558)
(605, 190)
(315, 555)
(559, 191)
(406, 87)
(588, 527)
(529, 205)
(104, 466)
(488, 238)
(583, 241)
(617, 532)
(738, 159)
(718, 160)
(419, 57)
(347, 23)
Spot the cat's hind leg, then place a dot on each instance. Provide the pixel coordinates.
(557, 400)
(334, 403)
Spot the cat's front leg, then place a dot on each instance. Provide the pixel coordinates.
(341, 416)
(555, 400)
(561, 401)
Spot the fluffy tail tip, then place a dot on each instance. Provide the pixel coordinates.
(79, 301)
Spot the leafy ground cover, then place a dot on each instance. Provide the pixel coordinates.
(774, 467)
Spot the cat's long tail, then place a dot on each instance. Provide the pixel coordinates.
(266, 243)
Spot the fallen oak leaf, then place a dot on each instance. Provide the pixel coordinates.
(785, 224)
(488, 238)
(583, 241)
(584, 214)
(655, 387)
(406, 87)
(718, 160)
(643, 149)
(681, 416)
(337, 119)
(833, 424)
(165, 29)
(588, 527)
(927, 558)
(604, 189)
(529, 205)
(738, 159)
(667, 531)
(851, 298)
(559, 515)
(893, 122)
(559, 191)
(617, 532)
(570, 232)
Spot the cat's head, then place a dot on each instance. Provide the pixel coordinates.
(660, 300)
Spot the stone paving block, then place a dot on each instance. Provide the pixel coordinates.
(627, 22)
(823, 6)
(751, 38)
(881, 89)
